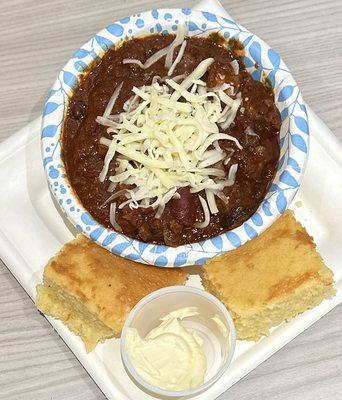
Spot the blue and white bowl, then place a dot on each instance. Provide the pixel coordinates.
(261, 61)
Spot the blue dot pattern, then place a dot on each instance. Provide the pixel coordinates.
(140, 23)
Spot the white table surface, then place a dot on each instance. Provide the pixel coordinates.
(36, 38)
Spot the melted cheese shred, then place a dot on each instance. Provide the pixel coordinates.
(166, 51)
(164, 143)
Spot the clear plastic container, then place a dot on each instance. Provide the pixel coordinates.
(218, 348)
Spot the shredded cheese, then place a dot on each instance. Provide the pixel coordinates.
(249, 132)
(211, 201)
(206, 213)
(233, 112)
(197, 73)
(133, 61)
(112, 101)
(178, 59)
(179, 39)
(108, 158)
(232, 172)
(112, 211)
(235, 66)
(162, 143)
(166, 51)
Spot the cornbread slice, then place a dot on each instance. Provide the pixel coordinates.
(92, 290)
(270, 279)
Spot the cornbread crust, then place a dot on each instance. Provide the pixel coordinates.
(92, 290)
(270, 279)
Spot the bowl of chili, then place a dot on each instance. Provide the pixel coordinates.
(204, 212)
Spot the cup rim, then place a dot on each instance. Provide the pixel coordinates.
(278, 198)
(155, 295)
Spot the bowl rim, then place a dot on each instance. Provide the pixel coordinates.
(155, 295)
(273, 205)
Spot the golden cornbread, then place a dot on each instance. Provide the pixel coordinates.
(92, 290)
(270, 279)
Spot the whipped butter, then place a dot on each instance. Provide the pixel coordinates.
(221, 326)
(170, 356)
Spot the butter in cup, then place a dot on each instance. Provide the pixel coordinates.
(213, 326)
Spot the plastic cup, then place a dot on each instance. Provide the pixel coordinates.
(217, 347)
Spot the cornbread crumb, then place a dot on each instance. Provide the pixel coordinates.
(92, 290)
(270, 279)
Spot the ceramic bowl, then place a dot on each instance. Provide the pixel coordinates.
(261, 61)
